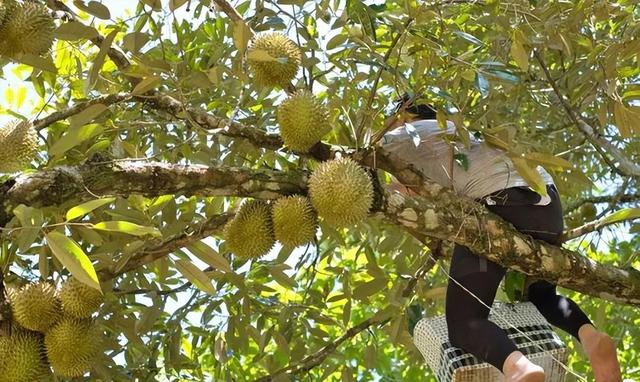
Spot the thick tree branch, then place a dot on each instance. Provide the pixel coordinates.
(460, 220)
(440, 213)
(436, 213)
(61, 184)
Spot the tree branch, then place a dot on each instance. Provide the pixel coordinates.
(593, 226)
(451, 217)
(229, 10)
(78, 108)
(626, 166)
(440, 213)
(624, 198)
(436, 213)
(62, 184)
(315, 359)
(149, 255)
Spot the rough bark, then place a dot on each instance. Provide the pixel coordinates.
(436, 213)
(74, 183)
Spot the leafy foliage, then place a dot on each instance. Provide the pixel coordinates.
(515, 74)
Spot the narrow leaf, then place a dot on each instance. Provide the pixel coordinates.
(622, 215)
(147, 84)
(549, 161)
(73, 258)
(209, 256)
(529, 172)
(126, 227)
(85, 208)
(197, 277)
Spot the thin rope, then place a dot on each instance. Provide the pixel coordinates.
(504, 319)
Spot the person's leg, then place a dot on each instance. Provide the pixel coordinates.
(467, 317)
(546, 223)
(566, 315)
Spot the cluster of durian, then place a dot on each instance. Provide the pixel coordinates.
(52, 329)
(340, 191)
(274, 60)
(26, 27)
(19, 142)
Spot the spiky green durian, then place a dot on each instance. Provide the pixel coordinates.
(27, 29)
(280, 63)
(22, 357)
(341, 192)
(250, 233)
(78, 299)
(19, 142)
(72, 346)
(303, 121)
(7, 7)
(294, 220)
(35, 306)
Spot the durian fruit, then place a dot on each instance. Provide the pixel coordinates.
(35, 306)
(7, 7)
(294, 220)
(78, 299)
(303, 121)
(250, 233)
(72, 346)
(280, 63)
(27, 29)
(22, 357)
(341, 192)
(19, 142)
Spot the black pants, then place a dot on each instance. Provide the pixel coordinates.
(467, 320)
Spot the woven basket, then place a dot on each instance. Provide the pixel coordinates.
(451, 364)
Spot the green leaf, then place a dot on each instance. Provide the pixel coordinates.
(85, 208)
(369, 288)
(548, 161)
(98, 62)
(94, 8)
(520, 55)
(72, 138)
(260, 55)
(73, 258)
(197, 277)
(622, 215)
(38, 62)
(75, 31)
(529, 172)
(241, 35)
(468, 37)
(207, 254)
(175, 4)
(482, 85)
(147, 84)
(336, 41)
(134, 41)
(127, 227)
(282, 277)
(88, 115)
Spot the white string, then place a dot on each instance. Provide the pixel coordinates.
(565, 367)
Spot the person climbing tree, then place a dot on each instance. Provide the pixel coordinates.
(415, 135)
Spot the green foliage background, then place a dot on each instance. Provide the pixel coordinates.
(482, 63)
